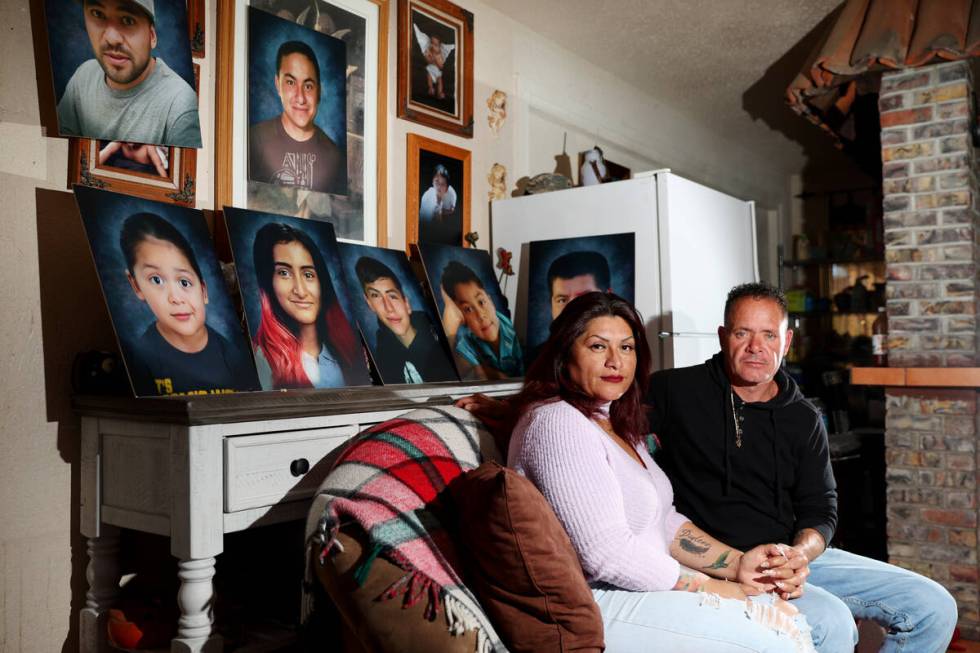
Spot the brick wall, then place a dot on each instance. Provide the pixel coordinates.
(931, 249)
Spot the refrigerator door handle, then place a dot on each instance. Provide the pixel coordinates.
(663, 335)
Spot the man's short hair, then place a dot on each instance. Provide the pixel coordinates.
(369, 270)
(575, 264)
(454, 274)
(297, 47)
(754, 290)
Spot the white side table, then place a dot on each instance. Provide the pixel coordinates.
(195, 468)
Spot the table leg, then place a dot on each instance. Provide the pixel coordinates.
(196, 601)
(102, 575)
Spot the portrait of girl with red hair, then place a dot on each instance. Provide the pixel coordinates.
(303, 338)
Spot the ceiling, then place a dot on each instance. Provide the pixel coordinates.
(725, 63)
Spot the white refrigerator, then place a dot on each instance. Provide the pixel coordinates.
(693, 244)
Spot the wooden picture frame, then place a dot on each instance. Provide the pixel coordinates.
(422, 154)
(195, 27)
(439, 96)
(177, 187)
(370, 97)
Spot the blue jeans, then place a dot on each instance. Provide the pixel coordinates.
(917, 613)
(685, 622)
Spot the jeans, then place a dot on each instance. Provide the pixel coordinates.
(917, 613)
(686, 622)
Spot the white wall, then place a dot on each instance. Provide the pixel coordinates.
(52, 307)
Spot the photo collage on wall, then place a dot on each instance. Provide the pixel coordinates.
(312, 309)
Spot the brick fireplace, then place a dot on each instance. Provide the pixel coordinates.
(932, 250)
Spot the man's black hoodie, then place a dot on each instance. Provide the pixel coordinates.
(777, 483)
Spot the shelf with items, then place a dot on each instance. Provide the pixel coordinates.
(834, 280)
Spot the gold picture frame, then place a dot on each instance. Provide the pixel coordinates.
(442, 98)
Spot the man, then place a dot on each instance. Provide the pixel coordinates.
(749, 461)
(125, 93)
(289, 149)
(407, 349)
(574, 274)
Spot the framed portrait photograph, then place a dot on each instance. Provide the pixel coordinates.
(297, 132)
(398, 324)
(437, 199)
(474, 313)
(122, 71)
(297, 306)
(156, 172)
(177, 328)
(313, 148)
(435, 65)
(562, 269)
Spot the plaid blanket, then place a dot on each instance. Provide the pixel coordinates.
(385, 480)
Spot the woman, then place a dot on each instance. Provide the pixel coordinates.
(303, 339)
(580, 440)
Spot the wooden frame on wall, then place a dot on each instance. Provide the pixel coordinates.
(231, 184)
(178, 186)
(446, 104)
(414, 172)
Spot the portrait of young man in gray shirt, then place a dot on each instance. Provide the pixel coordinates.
(126, 93)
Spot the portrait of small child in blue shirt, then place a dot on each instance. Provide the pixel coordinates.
(482, 338)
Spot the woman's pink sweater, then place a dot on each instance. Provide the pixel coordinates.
(619, 516)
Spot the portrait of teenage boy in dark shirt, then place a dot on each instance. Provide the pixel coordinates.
(407, 349)
(290, 149)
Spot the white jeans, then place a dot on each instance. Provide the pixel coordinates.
(686, 622)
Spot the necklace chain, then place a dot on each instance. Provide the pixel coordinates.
(738, 426)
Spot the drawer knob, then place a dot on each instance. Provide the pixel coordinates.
(299, 466)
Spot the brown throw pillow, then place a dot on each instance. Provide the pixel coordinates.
(521, 564)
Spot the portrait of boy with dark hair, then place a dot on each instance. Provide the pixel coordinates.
(297, 113)
(475, 318)
(122, 71)
(394, 317)
(562, 269)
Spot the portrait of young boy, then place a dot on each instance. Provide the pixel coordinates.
(122, 71)
(394, 318)
(475, 319)
(176, 326)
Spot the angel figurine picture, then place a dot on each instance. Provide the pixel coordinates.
(435, 65)
(436, 53)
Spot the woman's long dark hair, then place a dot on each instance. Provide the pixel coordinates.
(548, 376)
(277, 332)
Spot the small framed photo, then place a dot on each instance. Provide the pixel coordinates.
(156, 172)
(435, 65)
(437, 208)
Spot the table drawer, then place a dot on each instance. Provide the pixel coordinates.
(264, 470)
